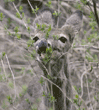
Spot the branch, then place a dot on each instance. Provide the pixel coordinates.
(12, 77)
(14, 17)
(95, 12)
(4, 69)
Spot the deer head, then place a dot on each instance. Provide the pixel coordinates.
(50, 42)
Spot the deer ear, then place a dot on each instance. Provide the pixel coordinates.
(75, 20)
(44, 18)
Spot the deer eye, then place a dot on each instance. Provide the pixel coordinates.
(63, 39)
(36, 38)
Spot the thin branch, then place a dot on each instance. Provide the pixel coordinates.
(90, 7)
(12, 76)
(88, 92)
(31, 7)
(19, 14)
(58, 88)
(95, 12)
(58, 13)
(14, 17)
(4, 69)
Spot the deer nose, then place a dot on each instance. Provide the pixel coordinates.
(42, 46)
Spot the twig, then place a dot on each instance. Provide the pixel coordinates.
(95, 12)
(31, 7)
(88, 92)
(14, 17)
(12, 76)
(90, 7)
(58, 13)
(4, 69)
(84, 73)
(21, 33)
(11, 16)
(80, 98)
(97, 76)
(82, 82)
(19, 14)
(57, 87)
(44, 67)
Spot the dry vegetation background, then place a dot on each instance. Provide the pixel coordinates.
(17, 60)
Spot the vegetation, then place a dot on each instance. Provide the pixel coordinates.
(17, 54)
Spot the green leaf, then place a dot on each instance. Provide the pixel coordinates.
(49, 3)
(84, 1)
(35, 10)
(49, 28)
(22, 14)
(9, 99)
(18, 36)
(91, 68)
(1, 16)
(75, 88)
(20, 8)
(95, 98)
(28, 28)
(12, 0)
(76, 96)
(56, 37)
(3, 54)
(16, 29)
(44, 94)
(28, 20)
(75, 101)
(27, 100)
(18, 15)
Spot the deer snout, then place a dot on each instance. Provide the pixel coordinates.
(41, 46)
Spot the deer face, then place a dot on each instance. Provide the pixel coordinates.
(58, 41)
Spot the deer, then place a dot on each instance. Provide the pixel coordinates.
(52, 45)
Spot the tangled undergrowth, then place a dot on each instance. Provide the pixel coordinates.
(17, 54)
